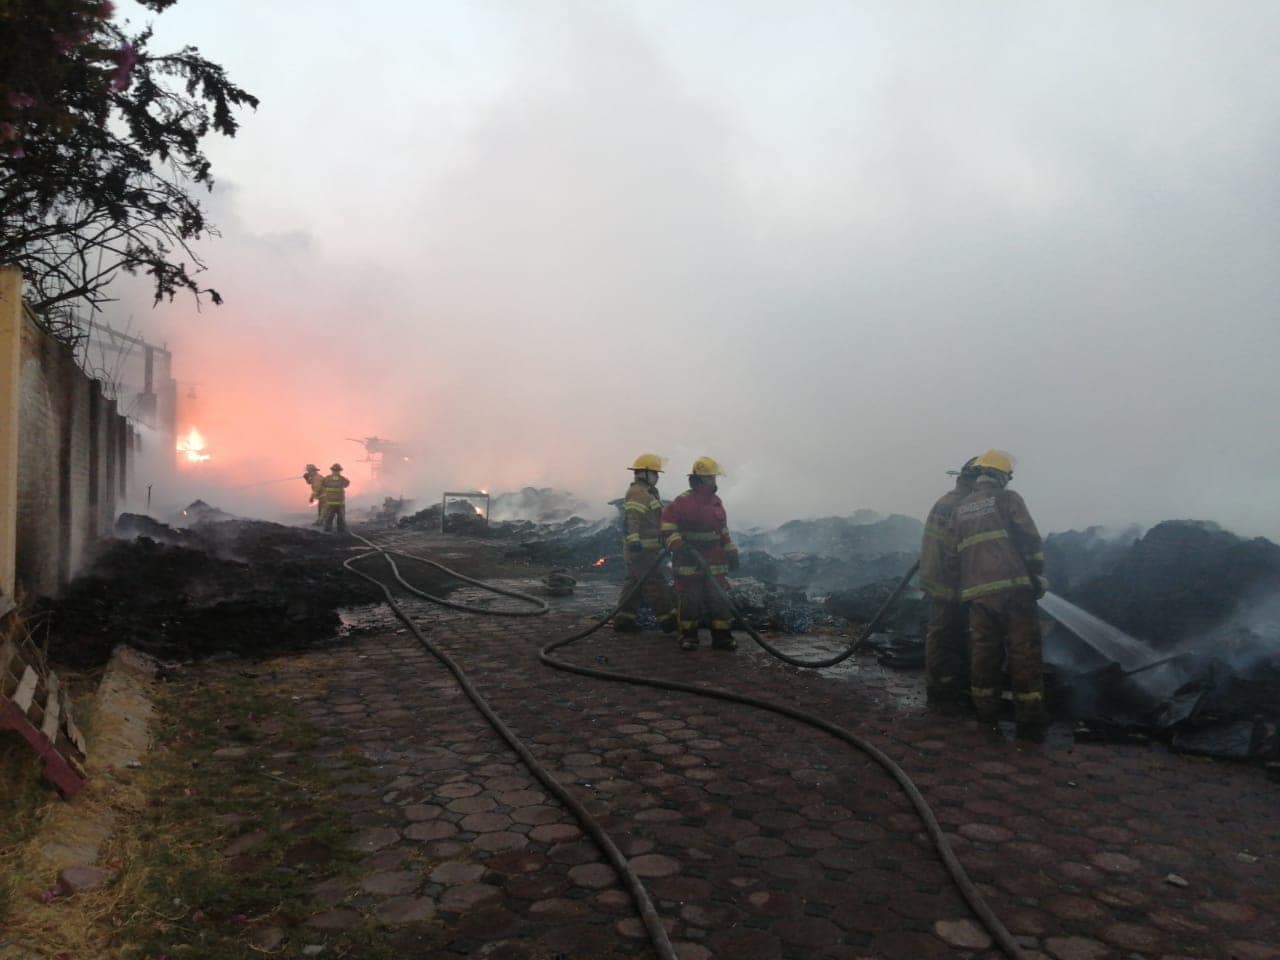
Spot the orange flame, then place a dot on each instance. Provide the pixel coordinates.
(599, 563)
(192, 447)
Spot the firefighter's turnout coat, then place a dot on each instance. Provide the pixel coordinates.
(335, 490)
(696, 521)
(642, 526)
(642, 520)
(996, 541)
(939, 565)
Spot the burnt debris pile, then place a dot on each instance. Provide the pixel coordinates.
(246, 587)
(574, 543)
(832, 553)
(1079, 555)
(537, 504)
(1192, 648)
(1183, 580)
(461, 517)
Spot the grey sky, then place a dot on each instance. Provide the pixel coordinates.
(839, 246)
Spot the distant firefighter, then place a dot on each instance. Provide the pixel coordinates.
(315, 480)
(1001, 577)
(944, 644)
(335, 498)
(695, 525)
(642, 542)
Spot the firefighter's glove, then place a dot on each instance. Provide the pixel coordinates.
(733, 562)
(1039, 586)
(635, 547)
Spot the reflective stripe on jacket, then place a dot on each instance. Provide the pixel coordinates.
(696, 521)
(939, 565)
(642, 516)
(996, 541)
(335, 488)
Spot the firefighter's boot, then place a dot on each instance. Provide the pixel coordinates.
(723, 640)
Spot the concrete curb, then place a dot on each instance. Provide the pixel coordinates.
(74, 832)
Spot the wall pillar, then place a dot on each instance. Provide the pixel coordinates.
(11, 319)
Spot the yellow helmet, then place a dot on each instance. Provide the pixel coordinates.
(648, 461)
(995, 460)
(706, 467)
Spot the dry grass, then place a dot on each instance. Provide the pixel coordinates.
(175, 894)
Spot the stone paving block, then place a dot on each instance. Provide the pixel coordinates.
(391, 883)
(430, 830)
(744, 807)
(400, 910)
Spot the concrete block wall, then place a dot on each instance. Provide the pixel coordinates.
(65, 456)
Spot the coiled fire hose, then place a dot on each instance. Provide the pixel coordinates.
(648, 914)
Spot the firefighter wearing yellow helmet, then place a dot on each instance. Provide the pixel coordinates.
(1001, 565)
(641, 544)
(335, 498)
(315, 480)
(696, 528)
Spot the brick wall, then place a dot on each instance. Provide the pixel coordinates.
(74, 454)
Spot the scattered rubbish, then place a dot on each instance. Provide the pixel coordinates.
(1176, 880)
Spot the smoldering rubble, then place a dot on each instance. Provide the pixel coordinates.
(1172, 633)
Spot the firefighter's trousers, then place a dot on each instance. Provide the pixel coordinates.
(1006, 626)
(335, 511)
(946, 668)
(654, 591)
(698, 601)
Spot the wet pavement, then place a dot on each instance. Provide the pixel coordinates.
(756, 836)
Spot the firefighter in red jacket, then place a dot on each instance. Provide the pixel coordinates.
(642, 543)
(1001, 577)
(694, 525)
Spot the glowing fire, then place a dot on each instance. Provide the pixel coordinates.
(192, 447)
(599, 563)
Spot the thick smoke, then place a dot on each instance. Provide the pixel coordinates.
(841, 251)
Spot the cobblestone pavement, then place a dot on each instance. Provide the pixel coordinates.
(757, 836)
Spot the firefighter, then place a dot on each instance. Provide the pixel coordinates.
(315, 480)
(694, 525)
(1001, 561)
(944, 644)
(335, 498)
(642, 522)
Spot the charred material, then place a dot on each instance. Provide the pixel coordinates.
(1182, 580)
(246, 587)
(1077, 556)
(831, 553)
(537, 504)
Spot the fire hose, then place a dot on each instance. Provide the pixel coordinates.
(648, 914)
